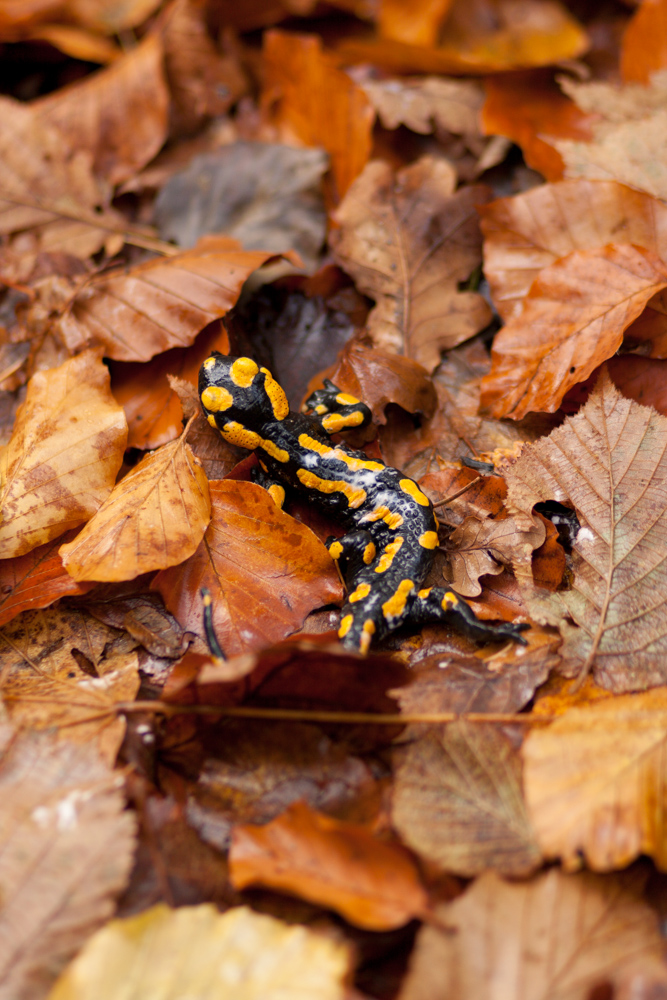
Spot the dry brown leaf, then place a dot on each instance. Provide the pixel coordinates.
(341, 866)
(161, 303)
(609, 462)
(66, 846)
(195, 951)
(426, 103)
(265, 571)
(630, 138)
(573, 319)
(479, 547)
(65, 451)
(457, 802)
(602, 801)
(556, 937)
(408, 241)
(62, 671)
(118, 116)
(153, 519)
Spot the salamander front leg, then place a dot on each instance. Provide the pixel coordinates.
(336, 410)
(439, 605)
(273, 487)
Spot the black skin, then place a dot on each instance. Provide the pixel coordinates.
(391, 529)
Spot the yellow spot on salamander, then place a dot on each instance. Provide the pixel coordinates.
(337, 422)
(367, 633)
(276, 394)
(354, 495)
(423, 594)
(209, 363)
(212, 421)
(412, 490)
(429, 539)
(335, 550)
(395, 606)
(243, 372)
(326, 451)
(273, 450)
(345, 399)
(345, 626)
(391, 519)
(215, 398)
(387, 556)
(277, 494)
(321, 409)
(369, 553)
(239, 435)
(450, 600)
(363, 590)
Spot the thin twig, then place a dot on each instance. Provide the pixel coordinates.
(455, 496)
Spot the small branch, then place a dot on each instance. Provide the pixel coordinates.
(455, 496)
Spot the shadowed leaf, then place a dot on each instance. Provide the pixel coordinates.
(35, 580)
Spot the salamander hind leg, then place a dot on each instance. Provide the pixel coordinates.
(273, 487)
(336, 410)
(439, 605)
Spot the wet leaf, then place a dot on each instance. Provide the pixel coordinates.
(153, 519)
(107, 115)
(560, 937)
(65, 451)
(65, 852)
(35, 580)
(602, 801)
(409, 240)
(317, 103)
(265, 571)
(457, 802)
(341, 866)
(573, 319)
(197, 951)
(608, 462)
(162, 303)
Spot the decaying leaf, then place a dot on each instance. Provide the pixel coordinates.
(108, 116)
(342, 866)
(65, 451)
(409, 240)
(62, 671)
(196, 951)
(528, 232)
(479, 547)
(265, 571)
(573, 319)
(66, 846)
(425, 103)
(609, 462)
(457, 802)
(154, 518)
(35, 580)
(601, 801)
(144, 310)
(557, 937)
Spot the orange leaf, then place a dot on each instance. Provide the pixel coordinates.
(339, 865)
(417, 22)
(573, 319)
(644, 45)
(64, 454)
(154, 518)
(318, 103)
(161, 303)
(35, 580)
(265, 571)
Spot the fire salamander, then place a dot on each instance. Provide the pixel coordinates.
(392, 530)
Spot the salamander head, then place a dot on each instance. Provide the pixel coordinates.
(237, 395)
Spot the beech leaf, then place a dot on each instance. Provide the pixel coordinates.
(35, 580)
(66, 849)
(65, 451)
(408, 240)
(573, 319)
(154, 518)
(610, 463)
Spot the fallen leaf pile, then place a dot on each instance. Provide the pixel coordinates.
(456, 210)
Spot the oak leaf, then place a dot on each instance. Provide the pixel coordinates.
(477, 547)
(526, 233)
(62, 459)
(339, 865)
(66, 847)
(557, 937)
(573, 319)
(154, 518)
(423, 104)
(457, 802)
(196, 951)
(609, 462)
(265, 571)
(162, 303)
(409, 240)
(601, 801)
